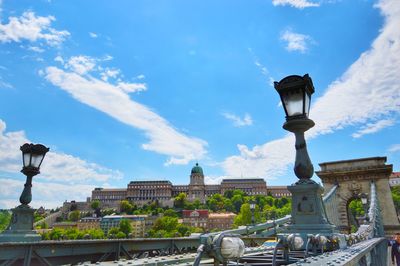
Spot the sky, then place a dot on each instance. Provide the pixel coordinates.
(142, 90)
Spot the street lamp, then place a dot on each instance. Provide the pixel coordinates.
(308, 212)
(295, 93)
(364, 202)
(21, 224)
(252, 208)
(32, 157)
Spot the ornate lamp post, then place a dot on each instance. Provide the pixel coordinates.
(21, 225)
(308, 212)
(364, 202)
(252, 208)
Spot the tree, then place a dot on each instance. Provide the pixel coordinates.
(244, 216)
(112, 233)
(237, 201)
(180, 200)
(126, 207)
(125, 226)
(120, 235)
(95, 204)
(170, 213)
(5, 217)
(75, 215)
(228, 205)
(166, 223)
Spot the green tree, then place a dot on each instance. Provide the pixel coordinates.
(237, 201)
(112, 233)
(5, 217)
(180, 200)
(125, 226)
(120, 235)
(126, 207)
(356, 208)
(74, 215)
(95, 204)
(170, 213)
(166, 223)
(244, 216)
(228, 205)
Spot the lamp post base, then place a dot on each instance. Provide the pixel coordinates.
(21, 226)
(308, 213)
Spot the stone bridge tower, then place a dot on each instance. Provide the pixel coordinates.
(353, 178)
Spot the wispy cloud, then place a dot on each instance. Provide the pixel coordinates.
(394, 148)
(58, 171)
(114, 100)
(47, 194)
(295, 41)
(57, 166)
(238, 121)
(30, 27)
(93, 35)
(36, 49)
(4, 84)
(368, 91)
(295, 3)
(371, 128)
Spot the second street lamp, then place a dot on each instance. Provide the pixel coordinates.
(21, 224)
(252, 208)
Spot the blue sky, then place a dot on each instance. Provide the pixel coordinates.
(140, 90)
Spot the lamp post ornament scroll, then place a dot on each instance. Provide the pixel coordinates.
(21, 224)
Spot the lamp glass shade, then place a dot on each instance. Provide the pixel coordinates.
(37, 160)
(252, 206)
(364, 200)
(307, 100)
(26, 159)
(293, 101)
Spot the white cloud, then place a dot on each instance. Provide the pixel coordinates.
(114, 100)
(370, 128)
(57, 166)
(93, 35)
(36, 49)
(131, 87)
(214, 180)
(238, 121)
(110, 73)
(394, 148)
(295, 3)
(47, 194)
(80, 64)
(367, 91)
(31, 28)
(141, 76)
(5, 85)
(295, 41)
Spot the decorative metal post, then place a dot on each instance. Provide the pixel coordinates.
(252, 208)
(21, 225)
(364, 202)
(308, 212)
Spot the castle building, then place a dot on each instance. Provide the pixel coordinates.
(143, 192)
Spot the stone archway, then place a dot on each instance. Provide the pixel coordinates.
(354, 177)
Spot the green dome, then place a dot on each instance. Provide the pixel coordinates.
(197, 169)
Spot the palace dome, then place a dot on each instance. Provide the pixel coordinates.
(197, 169)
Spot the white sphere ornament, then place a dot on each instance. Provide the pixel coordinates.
(232, 247)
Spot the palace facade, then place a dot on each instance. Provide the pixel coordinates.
(143, 192)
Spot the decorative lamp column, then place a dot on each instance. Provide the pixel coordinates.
(308, 211)
(364, 202)
(252, 208)
(21, 224)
